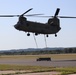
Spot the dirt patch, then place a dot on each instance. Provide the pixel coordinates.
(41, 73)
(72, 74)
(12, 72)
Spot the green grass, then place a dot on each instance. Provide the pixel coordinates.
(53, 56)
(66, 70)
(63, 71)
(22, 67)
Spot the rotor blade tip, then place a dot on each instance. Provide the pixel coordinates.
(58, 8)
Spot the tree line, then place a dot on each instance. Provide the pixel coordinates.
(37, 52)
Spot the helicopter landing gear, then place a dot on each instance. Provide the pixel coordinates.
(47, 35)
(36, 34)
(55, 35)
(28, 34)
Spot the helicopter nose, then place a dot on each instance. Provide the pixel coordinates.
(16, 26)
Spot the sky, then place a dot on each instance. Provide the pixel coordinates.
(10, 38)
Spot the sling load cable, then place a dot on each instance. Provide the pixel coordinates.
(45, 40)
(35, 40)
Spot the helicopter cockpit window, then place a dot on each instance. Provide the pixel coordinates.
(22, 20)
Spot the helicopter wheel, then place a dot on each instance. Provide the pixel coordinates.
(47, 35)
(28, 34)
(36, 34)
(55, 35)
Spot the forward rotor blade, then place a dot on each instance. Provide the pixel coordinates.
(20, 15)
(57, 12)
(27, 11)
(16, 15)
(33, 14)
(9, 15)
(40, 16)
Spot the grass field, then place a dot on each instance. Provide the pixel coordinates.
(35, 69)
(53, 56)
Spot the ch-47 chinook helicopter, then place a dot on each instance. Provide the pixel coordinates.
(51, 27)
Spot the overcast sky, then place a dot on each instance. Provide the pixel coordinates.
(10, 38)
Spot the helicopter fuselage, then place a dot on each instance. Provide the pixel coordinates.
(36, 27)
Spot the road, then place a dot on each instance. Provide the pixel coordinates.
(53, 63)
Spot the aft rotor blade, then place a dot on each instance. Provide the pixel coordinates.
(57, 12)
(56, 16)
(66, 17)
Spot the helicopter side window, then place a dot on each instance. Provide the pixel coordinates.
(54, 21)
(50, 21)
